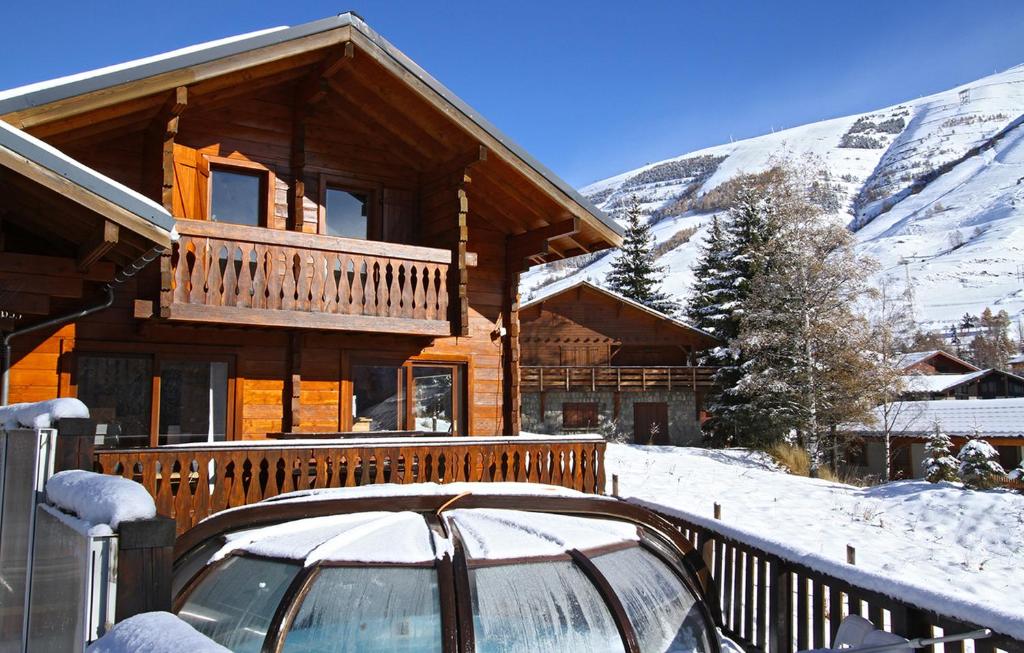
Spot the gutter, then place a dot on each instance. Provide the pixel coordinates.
(128, 272)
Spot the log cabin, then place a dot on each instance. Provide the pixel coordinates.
(294, 231)
(593, 360)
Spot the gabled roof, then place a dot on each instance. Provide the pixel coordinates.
(946, 382)
(21, 106)
(912, 358)
(60, 173)
(622, 299)
(990, 417)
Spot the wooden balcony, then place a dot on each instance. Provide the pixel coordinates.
(569, 378)
(228, 474)
(233, 274)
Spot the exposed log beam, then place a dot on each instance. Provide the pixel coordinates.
(314, 87)
(95, 249)
(160, 138)
(298, 164)
(383, 119)
(523, 247)
(460, 165)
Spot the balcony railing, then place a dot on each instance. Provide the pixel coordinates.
(193, 482)
(226, 273)
(570, 377)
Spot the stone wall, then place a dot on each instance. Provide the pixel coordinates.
(683, 427)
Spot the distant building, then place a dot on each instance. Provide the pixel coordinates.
(998, 421)
(592, 360)
(939, 375)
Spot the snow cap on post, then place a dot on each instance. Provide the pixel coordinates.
(100, 498)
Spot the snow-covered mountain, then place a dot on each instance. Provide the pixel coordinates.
(933, 188)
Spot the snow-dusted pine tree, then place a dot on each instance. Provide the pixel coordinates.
(979, 465)
(737, 247)
(634, 273)
(939, 463)
(807, 344)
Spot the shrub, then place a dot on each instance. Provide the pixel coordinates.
(979, 467)
(795, 459)
(860, 141)
(891, 126)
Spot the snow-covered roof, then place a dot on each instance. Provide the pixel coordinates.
(990, 417)
(1019, 358)
(583, 283)
(42, 93)
(939, 382)
(16, 143)
(912, 358)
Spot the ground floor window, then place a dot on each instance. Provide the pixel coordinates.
(412, 396)
(142, 400)
(580, 415)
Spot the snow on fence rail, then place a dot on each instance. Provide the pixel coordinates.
(767, 603)
(220, 477)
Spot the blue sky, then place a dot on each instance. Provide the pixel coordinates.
(592, 89)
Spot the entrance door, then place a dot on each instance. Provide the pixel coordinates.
(650, 422)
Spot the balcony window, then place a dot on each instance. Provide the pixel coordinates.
(377, 398)
(347, 213)
(117, 390)
(235, 197)
(193, 401)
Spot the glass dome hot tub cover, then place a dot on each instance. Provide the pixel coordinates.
(456, 569)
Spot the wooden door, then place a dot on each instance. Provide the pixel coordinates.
(650, 422)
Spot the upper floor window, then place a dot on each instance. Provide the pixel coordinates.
(347, 213)
(239, 192)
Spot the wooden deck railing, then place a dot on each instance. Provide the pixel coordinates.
(569, 377)
(767, 603)
(238, 274)
(219, 477)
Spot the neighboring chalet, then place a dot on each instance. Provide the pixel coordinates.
(303, 233)
(593, 360)
(998, 421)
(931, 379)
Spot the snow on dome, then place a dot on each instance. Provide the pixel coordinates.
(396, 537)
(100, 498)
(493, 533)
(41, 414)
(154, 632)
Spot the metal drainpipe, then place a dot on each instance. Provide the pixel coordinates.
(126, 273)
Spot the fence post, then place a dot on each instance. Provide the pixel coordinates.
(780, 602)
(145, 553)
(75, 444)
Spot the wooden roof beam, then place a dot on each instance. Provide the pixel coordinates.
(314, 88)
(102, 242)
(387, 120)
(459, 165)
(523, 247)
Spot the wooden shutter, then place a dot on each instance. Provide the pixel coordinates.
(191, 183)
(579, 415)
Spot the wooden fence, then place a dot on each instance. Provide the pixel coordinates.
(766, 603)
(219, 477)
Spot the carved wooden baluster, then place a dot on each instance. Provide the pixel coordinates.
(442, 293)
(345, 285)
(259, 276)
(431, 299)
(305, 270)
(182, 273)
(214, 278)
(403, 306)
(417, 307)
(358, 283)
(275, 276)
(230, 281)
(286, 260)
(317, 278)
(332, 268)
(396, 292)
(197, 282)
(369, 287)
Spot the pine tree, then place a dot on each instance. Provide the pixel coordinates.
(736, 249)
(939, 463)
(979, 465)
(634, 272)
(992, 348)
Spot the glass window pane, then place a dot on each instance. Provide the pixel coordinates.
(193, 401)
(541, 606)
(234, 603)
(378, 403)
(369, 609)
(661, 609)
(118, 391)
(346, 213)
(235, 197)
(432, 408)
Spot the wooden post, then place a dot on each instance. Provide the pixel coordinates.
(851, 555)
(74, 449)
(780, 601)
(615, 485)
(145, 553)
(718, 511)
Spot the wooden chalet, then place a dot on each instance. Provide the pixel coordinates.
(593, 360)
(934, 361)
(303, 233)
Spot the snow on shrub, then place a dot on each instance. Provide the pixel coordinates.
(979, 466)
(100, 498)
(939, 463)
(40, 414)
(154, 632)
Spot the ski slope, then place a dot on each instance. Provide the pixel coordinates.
(934, 189)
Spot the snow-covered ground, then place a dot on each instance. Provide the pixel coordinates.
(955, 551)
(961, 236)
